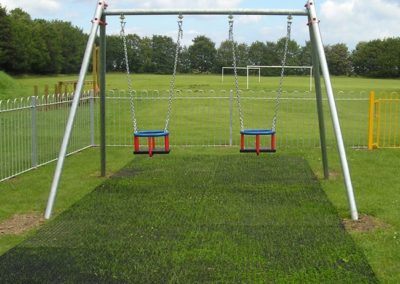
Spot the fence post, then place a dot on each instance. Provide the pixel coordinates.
(91, 106)
(230, 116)
(371, 120)
(34, 133)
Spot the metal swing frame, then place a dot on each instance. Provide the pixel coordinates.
(319, 62)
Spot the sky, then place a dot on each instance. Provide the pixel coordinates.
(342, 21)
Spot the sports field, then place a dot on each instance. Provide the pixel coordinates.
(212, 174)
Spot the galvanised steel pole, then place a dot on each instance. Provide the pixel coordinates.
(103, 98)
(335, 119)
(74, 107)
(265, 12)
(320, 109)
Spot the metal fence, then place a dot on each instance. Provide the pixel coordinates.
(210, 118)
(384, 121)
(31, 129)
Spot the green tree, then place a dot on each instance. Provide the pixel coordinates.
(202, 54)
(377, 58)
(5, 36)
(364, 58)
(21, 39)
(389, 58)
(115, 60)
(184, 61)
(73, 42)
(163, 54)
(133, 44)
(257, 51)
(292, 56)
(242, 53)
(338, 58)
(305, 56)
(146, 54)
(224, 55)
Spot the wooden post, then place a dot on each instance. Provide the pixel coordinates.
(95, 69)
(59, 90)
(35, 91)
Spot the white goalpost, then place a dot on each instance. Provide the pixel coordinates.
(242, 68)
(249, 67)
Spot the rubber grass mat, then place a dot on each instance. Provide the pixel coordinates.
(195, 219)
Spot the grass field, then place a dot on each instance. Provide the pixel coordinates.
(374, 173)
(196, 218)
(23, 86)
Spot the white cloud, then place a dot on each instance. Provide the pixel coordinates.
(250, 19)
(32, 6)
(352, 21)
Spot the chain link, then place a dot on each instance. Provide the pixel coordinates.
(128, 75)
(237, 90)
(285, 52)
(172, 83)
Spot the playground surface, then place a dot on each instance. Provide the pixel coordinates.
(226, 218)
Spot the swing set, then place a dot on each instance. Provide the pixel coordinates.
(320, 65)
(151, 135)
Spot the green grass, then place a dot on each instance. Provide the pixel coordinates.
(377, 189)
(7, 82)
(24, 84)
(374, 173)
(28, 193)
(201, 217)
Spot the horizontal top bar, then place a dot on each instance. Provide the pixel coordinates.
(265, 12)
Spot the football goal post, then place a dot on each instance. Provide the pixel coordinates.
(320, 65)
(250, 67)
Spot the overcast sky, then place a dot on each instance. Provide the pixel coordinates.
(342, 21)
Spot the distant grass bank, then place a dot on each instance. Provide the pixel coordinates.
(225, 218)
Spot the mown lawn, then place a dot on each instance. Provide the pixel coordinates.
(23, 86)
(374, 173)
(182, 218)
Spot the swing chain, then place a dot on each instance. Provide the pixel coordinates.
(237, 90)
(128, 75)
(172, 83)
(285, 53)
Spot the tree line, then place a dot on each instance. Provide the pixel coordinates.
(53, 47)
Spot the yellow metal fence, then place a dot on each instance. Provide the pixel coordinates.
(384, 121)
